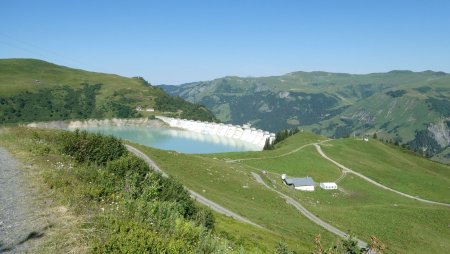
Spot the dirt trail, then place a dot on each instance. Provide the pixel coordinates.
(214, 206)
(278, 156)
(21, 223)
(307, 213)
(319, 150)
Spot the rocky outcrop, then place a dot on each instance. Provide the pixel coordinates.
(441, 132)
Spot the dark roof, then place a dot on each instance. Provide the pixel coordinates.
(305, 181)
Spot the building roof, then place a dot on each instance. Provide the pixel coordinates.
(304, 181)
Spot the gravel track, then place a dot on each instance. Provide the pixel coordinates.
(319, 149)
(20, 221)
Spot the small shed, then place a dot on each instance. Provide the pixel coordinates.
(304, 183)
(328, 186)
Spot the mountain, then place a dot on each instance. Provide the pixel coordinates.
(35, 90)
(403, 107)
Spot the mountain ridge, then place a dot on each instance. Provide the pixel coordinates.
(401, 106)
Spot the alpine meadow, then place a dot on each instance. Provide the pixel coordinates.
(225, 127)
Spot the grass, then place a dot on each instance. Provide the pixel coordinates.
(396, 168)
(233, 187)
(404, 225)
(17, 75)
(286, 146)
(67, 229)
(305, 162)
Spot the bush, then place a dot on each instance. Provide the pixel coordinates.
(91, 148)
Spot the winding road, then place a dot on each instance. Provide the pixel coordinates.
(345, 169)
(307, 213)
(211, 204)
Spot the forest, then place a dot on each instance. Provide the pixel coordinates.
(60, 103)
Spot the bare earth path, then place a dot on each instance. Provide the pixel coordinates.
(278, 156)
(20, 220)
(214, 206)
(319, 149)
(307, 213)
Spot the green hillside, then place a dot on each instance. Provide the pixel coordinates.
(403, 224)
(34, 90)
(411, 108)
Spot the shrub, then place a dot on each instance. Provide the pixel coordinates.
(91, 148)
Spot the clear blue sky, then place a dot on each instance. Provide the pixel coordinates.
(174, 42)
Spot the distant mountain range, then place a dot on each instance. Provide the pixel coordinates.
(403, 107)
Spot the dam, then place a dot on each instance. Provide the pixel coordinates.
(243, 133)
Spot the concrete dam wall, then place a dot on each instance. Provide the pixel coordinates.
(243, 133)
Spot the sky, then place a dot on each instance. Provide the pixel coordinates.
(175, 42)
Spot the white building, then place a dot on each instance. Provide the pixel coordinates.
(304, 184)
(328, 186)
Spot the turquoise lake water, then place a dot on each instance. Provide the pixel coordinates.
(176, 140)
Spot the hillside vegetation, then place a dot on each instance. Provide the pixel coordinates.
(34, 90)
(403, 224)
(122, 205)
(125, 206)
(410, 108)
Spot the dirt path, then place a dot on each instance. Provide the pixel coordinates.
(278, 156)
(319, 149)
(214, 206)
(21, 224)
(307, 213)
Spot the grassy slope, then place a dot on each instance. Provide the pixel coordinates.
(286, 146)
(21, 74)
(224, 183)
(405, 225)
(398, 169)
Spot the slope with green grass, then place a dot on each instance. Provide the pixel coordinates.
(233, 187)
(403, 224)
(396, 168)
(34, 90)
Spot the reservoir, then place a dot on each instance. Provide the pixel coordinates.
(174, 139)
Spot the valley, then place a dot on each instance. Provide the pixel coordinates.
(225, 127)
(402, 107)
(384, 189)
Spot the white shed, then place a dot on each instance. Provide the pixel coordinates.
(328, 186)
